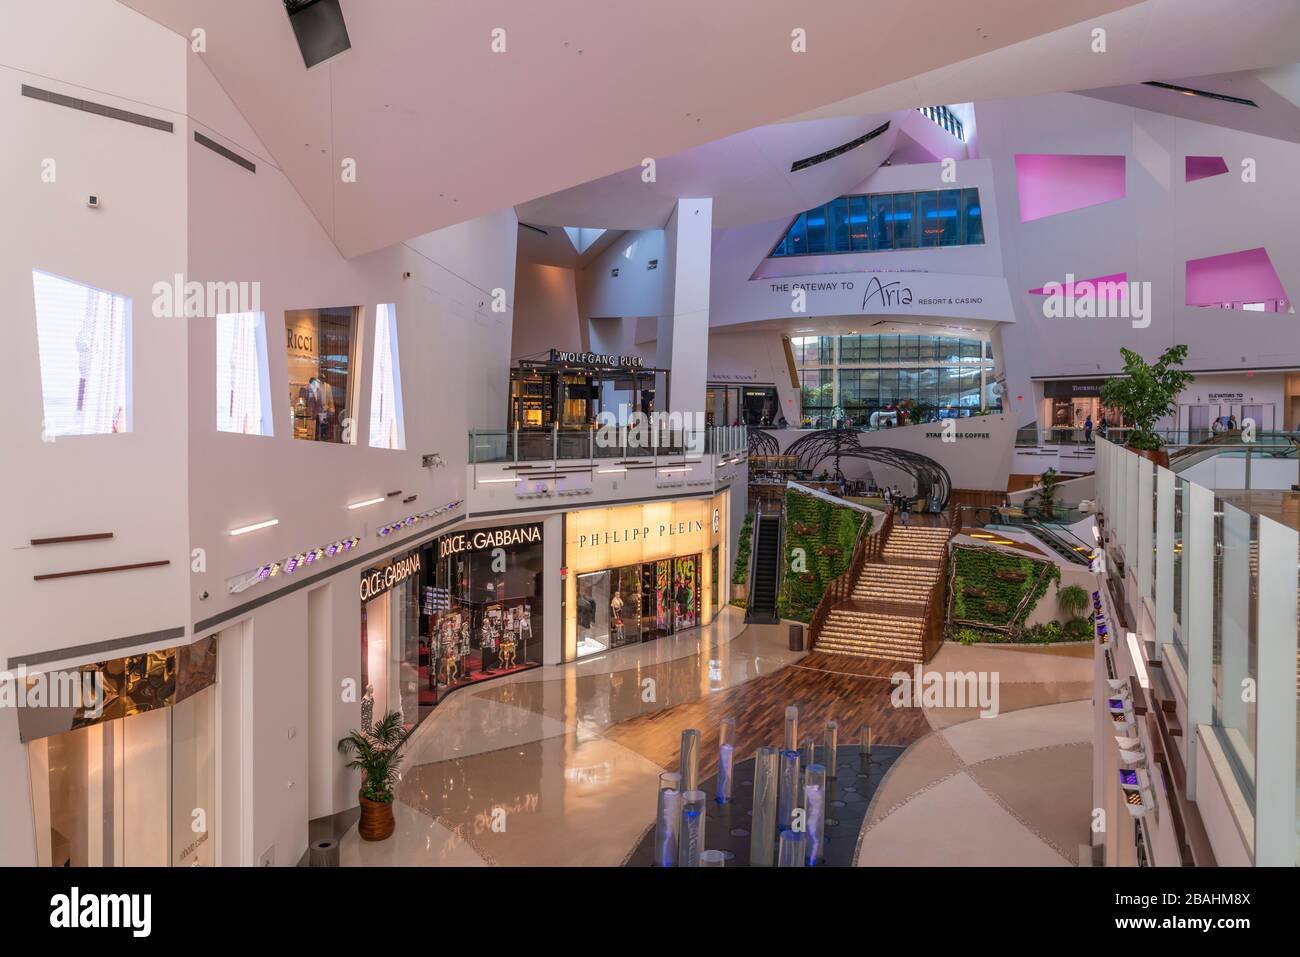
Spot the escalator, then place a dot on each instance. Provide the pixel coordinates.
(1054, 534)
(764, 576)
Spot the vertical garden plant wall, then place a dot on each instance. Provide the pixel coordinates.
(820, 536)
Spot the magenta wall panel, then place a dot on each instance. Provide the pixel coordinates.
(1077, 286)
(1244, 276)
(1203, 167)
(1052, 183)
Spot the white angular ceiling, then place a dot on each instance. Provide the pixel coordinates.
(442, 129)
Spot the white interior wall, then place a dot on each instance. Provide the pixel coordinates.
(1151, 233)
(135, 238)
(546, 311)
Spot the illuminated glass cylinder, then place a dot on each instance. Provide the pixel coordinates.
(692, 840)
(787, 795)
(814, 803)
(791, 739)
(668, 819)
(727, 731)
(830, 744)
(726, 757)
(793, 850)
(689, 762)
(762, 834)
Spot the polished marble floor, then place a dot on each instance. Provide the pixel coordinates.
(560, 765)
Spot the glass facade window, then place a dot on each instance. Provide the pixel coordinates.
(83, 335)
(865, 374)
(904, 220)
(321, 349)
(880, 222)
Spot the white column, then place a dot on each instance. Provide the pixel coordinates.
(1275, 738)
(1145, 536)
(1198, 619)
(683, 344)
(552, 590)
(1164, 559)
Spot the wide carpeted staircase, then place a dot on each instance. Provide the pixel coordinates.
(884, 615)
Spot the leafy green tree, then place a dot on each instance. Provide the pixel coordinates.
(1147, 392)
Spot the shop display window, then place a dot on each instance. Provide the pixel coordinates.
(321, 349)
(137, 791)
(481, 614)
(593, 613)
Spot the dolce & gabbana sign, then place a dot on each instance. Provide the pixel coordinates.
(379, 579)
(485, 538)
(641, 533)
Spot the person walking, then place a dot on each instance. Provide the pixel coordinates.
(1087, 429)
(905, 509)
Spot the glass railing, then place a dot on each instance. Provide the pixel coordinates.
(595, 443)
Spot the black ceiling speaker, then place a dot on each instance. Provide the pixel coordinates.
(319, 28)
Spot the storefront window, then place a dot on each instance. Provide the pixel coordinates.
(482, 611)
(134, 785)
(650, 598)
(593, 613)
(321, 348)
(390, 635)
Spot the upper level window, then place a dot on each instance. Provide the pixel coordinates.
(84, 338)
(387, 430)
(882, 222)
(243, 386)
(321, 346)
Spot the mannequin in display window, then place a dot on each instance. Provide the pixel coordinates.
(616, 617)
(488, 644)
(368, 707)
(508, 638)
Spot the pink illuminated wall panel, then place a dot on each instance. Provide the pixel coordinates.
(1203, 167)
(1075, 287)
(1052, 183)
(1240, 280)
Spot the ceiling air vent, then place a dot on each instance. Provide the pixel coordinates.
(1191, 91)
(319, 28)
(797, 165)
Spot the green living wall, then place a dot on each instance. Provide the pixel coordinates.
(993, 593)
(827, 534)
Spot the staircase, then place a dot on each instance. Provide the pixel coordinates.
(916, 545)
(764, 578)
(896, 584)
(891, 607)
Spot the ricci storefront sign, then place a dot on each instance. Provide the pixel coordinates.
(486, 538)
(379, 579)
(597, 359)
(640, 533)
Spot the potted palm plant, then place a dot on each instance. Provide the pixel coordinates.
(1147, 392)
(376, 753)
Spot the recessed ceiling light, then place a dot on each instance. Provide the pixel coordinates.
(369, 501)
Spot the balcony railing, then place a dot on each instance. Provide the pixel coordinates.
(594, 443)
